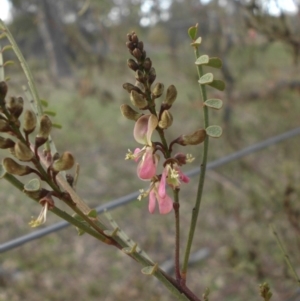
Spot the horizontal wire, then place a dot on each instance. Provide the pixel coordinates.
(130, 197)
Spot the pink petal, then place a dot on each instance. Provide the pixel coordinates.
(144, 128)
(147, 167)
(165, 204)
(136, 151)
(162, 184)
(152, 201)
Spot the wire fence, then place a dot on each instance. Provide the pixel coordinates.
(6, 246)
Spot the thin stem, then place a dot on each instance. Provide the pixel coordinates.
(176, 206)
(196, 208)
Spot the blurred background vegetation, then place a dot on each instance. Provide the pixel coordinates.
(76, 50)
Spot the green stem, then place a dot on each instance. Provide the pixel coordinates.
(62, 214)
(196, 208)
(176, 206)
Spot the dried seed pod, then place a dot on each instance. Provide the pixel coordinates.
(158, 90)
(6, 143)
(166, 120)
(14, 168)
(22, 151)
(170, 96)
(15, 106)
(29, 121)
(129, 112)
(192, 139)
(64, 162)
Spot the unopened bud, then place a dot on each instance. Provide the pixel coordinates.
(134, 37)
(29, 121)
(14, 168)
(139, 76)
(166, 120)
(22, 151)
(129, 112)
(3, 92)
(15, 106)
(6, 143)
(132, 64)
(140, 45)
(158, 90)
(64, 162)
(151, 76)
(130, 46)
(138, 100)
(45, 127)
(147, 64)
(129, 87)
(170, 96)
(4, 127)
(181, 158)
(193, 139)
(137, 53)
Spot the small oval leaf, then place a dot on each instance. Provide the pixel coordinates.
(44, 102)
(33, 185)
(215, 62)
(57, 125)
(202, 60)
(7, 47)
(197, 42)
(50, 113)
(192, 31)
(93, 213)
(214, 131)
(2, 35)
(218, 84)
(207, 78)
(214, 103)
(7, 63)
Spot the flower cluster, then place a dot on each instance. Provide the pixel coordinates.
(15, 137)
(143, 97)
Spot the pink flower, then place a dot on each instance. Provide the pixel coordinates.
(146, 169)
(165, 203)
(173, 176)
(143, 129)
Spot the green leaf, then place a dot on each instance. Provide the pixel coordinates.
(218, 84)
(202, 60)
(93, 213)
(33, 185)
(50, 113)
(214, 103)
(2, 171)
(7, 63)
(197, 42)
(57, 125)
(7, 47)
(192, 31)
(44, 102)
(150, 270)
(206, 79)
(2, 35)
(80, 232)
(214, 131)
(215, 62)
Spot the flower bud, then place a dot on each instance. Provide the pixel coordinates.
(138, 100)
(139, 76)
(129, 113)
(151, 76)
(129, 87)
(147, 64)
(137, 53)
(29, 121)
(134, 37)
(181, 158)
(193, 139)
(3, 92)
(4, 127)
(140, 45)
(170, 96)
(15, 106)
(64, 162)
(158, 90)
(166, 120)
(6, 143)
(132, 64)
(14, 168)
(45, 127)
(22, 151)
